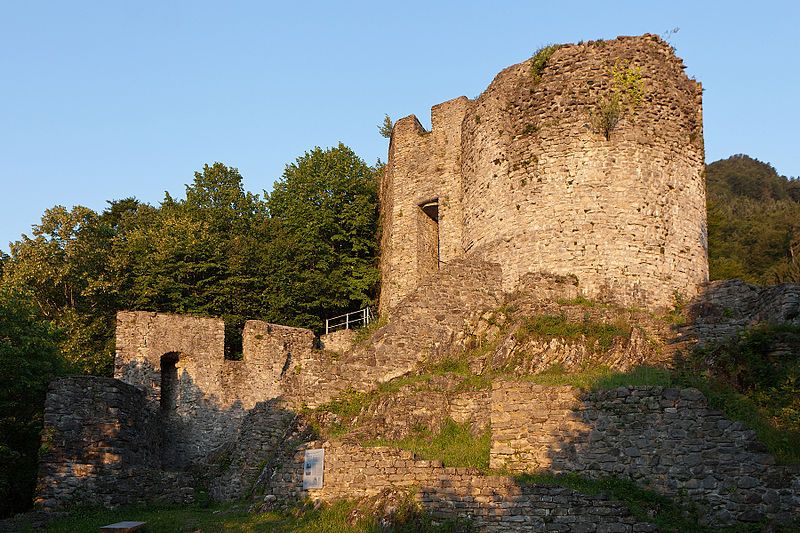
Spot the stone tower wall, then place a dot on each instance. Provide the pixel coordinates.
(523, 180)
(423, 166)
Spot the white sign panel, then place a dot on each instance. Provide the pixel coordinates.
(313, 465)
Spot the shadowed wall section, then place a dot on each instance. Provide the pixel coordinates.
(208, 395)
(667, 439)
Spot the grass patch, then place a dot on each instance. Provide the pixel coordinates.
(454, 445)
(346, 407)
(581, 301)
(602, 377)
(450, 365)
(645, 505)
(599, 335)
(366, 332)
(326, 519)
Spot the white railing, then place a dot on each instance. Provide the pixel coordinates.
(354, 319)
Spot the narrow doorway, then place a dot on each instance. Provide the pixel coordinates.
(169, 382)
(170, 420)
(428, 237)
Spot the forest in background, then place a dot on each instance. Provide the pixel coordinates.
(753, 222)
(306, 251)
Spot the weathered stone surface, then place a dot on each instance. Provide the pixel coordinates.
(522, 180)
(427, 326)
(102, 445)
(209, 395)
(339, 341)
(724, 308)
(491, 503)
(665, 438)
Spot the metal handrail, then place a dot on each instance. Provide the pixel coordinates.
(362, 317)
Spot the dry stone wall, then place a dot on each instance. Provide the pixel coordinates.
(101, 445)
(338, 341)
(727, 307)
(522, 179)
(260, 436)
(426, 326)
(428, 404)
(490, 503)
(208, 395)
(665, 438)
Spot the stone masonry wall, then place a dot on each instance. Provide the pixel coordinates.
(101, 444)
(727, 307)
(666, 438)
(260, 436)
(491, 503)
(424, 166)
(396, 415)
(426, 326)
(524, 181)
(209, 394)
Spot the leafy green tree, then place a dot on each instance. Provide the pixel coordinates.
(64, 269)
(753, 222)
(29, 359)
(324, 215)
(200, 254)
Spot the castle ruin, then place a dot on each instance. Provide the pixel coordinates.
(520, 177)
(515, 198)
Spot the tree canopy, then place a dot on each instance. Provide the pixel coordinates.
(29, 359)
(753, 222)
(304, 252)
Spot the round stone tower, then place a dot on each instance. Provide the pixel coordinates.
(590, 165)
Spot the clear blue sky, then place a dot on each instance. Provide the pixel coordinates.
(104, 100)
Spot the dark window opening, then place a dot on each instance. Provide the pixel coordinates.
(234, 326)
(169, 382)
(431, 209)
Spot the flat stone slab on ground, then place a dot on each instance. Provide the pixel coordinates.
(124, 527)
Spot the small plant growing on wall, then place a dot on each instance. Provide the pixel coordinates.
(539, 61)
(624, 96)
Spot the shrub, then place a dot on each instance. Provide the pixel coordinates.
(624, 96)
(540, 59)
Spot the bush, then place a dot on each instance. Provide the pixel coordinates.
(754, 378)
(540, 59)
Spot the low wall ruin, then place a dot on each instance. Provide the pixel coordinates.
(490, 503)
(102, 444)
(664, 438)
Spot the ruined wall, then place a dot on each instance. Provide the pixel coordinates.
(727, 307)
(209, 395)
(534, 188)
(426, 326)
(239, 464)
(665, 438)
(423, 166)
(491, 503)
(102, 444)
(399, 414)
(338, 341)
